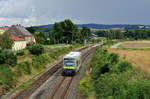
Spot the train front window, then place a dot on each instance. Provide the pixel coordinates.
(69, 63)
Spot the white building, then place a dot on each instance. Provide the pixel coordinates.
(19, 43)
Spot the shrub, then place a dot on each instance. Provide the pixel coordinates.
(5, 41)
(8, 57)
(138, 89)
(36, 49)
(110, 86)
(40, 61)
(3, 56)
(100, 69)
(6, 77)
(20, 53)
(112, 79)
(113, 58)
(85, 86)
(124, 66)
(25, 67)
(11, 59)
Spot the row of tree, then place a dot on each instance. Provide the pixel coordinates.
(118, 34)
(62, 32)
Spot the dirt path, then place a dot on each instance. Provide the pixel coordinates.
(116, 45)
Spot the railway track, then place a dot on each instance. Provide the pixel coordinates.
(61, 88)
(26, 93)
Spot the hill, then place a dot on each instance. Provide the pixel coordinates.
(47, 28)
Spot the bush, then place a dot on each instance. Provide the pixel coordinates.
(8, 58)
(25, 67)
(6, 77)
(40, 61)
(20, 53)
(3, 56)
(124, 66)
(85, 86)
(36, 49)
(100, 69)
(103, 62)
(113, 58)
(112, 79)
(138, 89)
(11, 59)
(110, 86)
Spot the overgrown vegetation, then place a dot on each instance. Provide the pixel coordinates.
(7, 79)
(30, 61)
(6, 42)
(36, 49)
(8, 58)
(112, 78)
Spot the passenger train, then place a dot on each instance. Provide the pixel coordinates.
(71, 63)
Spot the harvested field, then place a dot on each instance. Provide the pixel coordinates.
(136, 44)
(139, 58)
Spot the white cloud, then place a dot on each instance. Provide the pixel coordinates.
(2, 19)
(28, 20)
(33, 19)
(32, 12)
(35, 12)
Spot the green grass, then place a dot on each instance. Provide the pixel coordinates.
(24, 85)
(124, 48)
(55, 45)
(51, 55)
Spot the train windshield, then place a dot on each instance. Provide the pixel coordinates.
(69, 62)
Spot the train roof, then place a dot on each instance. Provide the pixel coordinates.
(75, 55)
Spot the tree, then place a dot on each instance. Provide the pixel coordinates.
(31, 29)
(64, 32)
(40, 37)
(114, 34)
(100, 33)
(6, 42)
(85, 32)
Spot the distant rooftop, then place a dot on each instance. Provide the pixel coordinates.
(22, 30)
(4, 28)
(15, 38)
(18, 30)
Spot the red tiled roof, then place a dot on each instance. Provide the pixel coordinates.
(15, 38)
(4, 28)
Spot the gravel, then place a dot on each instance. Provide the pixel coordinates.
(73, 89)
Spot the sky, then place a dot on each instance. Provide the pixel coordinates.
(42, 12)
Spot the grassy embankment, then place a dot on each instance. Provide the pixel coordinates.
(113, 77)
(29, 65)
